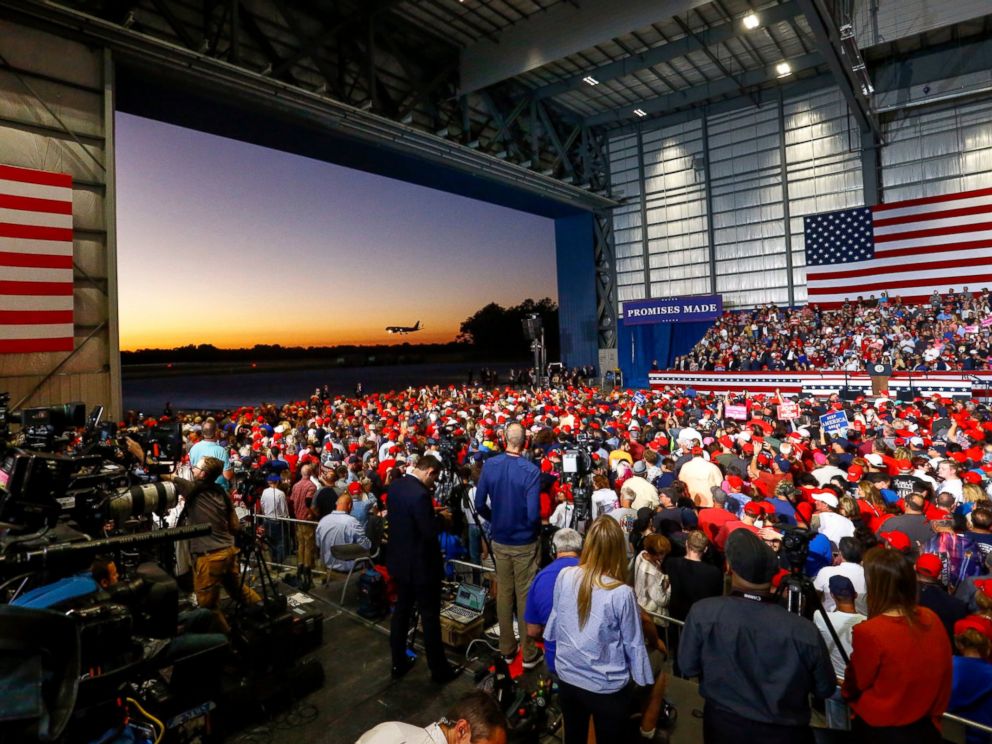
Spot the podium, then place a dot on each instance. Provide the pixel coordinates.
(880, 374)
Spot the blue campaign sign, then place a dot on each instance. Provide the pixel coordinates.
(639, 398)
(836, 422)
(673, 309)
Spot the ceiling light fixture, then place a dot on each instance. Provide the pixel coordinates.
(783, 69)
(751, 21)
(590, 80)
(640, 112)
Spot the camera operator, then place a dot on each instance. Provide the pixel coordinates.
(757, 663)
(215, 557)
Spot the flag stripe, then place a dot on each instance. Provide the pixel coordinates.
(29, 175)
(985, 228)
(34, 232)
(41, 247)
(926, 200)
(32, 204)
(27, 346)
(36, 260)
(858, 283)
(32, 317)
(37, 330)
(35, 219)
(35, 190)
(34, 274)
(35, 288)
(951, 218)
(868, 268)
(900, 211)
(907, 248)
(42, 303)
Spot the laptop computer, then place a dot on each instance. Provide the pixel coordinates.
(469, 604)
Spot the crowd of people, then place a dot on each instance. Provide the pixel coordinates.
(894, 513)
(950, 332)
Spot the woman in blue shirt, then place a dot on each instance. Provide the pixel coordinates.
(596, 625)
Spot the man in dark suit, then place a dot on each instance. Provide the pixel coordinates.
(416, 566)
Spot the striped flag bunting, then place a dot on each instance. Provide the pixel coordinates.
(907, 248)
(35, 260)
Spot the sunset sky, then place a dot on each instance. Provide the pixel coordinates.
(230, 244)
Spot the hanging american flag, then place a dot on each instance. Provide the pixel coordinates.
(908, 249)
(35, 260)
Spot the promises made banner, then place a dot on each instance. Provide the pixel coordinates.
(691, 309)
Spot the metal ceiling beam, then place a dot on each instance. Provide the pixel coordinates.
(226, 80)
(561, 31)
(667, 52)
(701, 93)
(828, 41)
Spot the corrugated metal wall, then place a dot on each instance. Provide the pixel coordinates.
(75, 82)
(823, 166)
(936, 151)
(748, 213)
(804, 146)
(675, 203)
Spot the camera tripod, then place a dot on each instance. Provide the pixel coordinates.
(252, 559)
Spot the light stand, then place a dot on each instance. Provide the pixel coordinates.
(534, 332)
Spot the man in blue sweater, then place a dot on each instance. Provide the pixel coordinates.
(509, 497)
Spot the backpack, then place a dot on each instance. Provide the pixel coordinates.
(372, 601)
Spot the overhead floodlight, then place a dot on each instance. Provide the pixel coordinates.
(590, 80)
(640, 112)
(783, 69)
(751, 21)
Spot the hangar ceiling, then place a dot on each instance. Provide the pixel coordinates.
(540, 84)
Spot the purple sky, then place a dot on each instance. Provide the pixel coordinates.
(232, 244)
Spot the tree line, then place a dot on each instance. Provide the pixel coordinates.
(493, 332)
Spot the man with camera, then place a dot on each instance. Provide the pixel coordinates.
(509, 497)
(758, 664)
(474, 719)
(215, 557)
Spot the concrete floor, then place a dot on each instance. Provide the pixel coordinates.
(358, 692)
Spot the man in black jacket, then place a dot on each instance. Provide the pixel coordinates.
(416, 566)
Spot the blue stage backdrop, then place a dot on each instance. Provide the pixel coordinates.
(661, 329)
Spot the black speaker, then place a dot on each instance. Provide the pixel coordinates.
(849, 394)
(906, 396)
(532, 327)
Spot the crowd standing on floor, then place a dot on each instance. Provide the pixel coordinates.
(896, 509)
(950, 332)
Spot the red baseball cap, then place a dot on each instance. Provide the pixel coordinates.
(929, 565)
(984, 586)
(897, 540)
(354, 488)
(974, 622)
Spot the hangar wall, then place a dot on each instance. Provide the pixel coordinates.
(716, 204)
(56, 114)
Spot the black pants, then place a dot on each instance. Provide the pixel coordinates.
(921, 732)
(610, 714)
(720, 726)
(428, 600)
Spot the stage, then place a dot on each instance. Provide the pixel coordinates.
(909, 384)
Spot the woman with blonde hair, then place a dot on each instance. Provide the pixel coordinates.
(596, 625)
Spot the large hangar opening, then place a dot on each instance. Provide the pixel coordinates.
(234, 245)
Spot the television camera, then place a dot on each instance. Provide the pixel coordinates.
(576, 468)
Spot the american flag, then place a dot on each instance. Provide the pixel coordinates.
(35, 260)
(907, 249)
